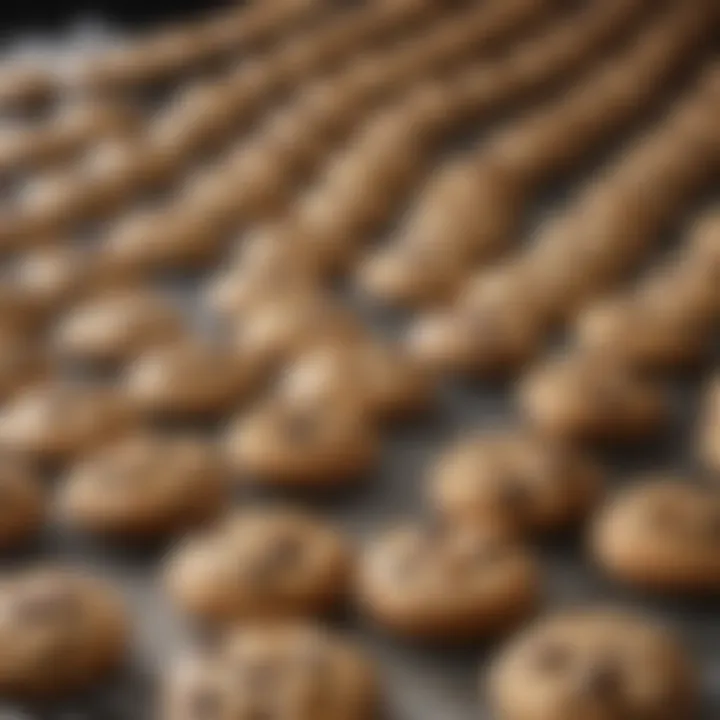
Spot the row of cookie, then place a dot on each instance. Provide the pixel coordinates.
(216, 97)
(504, 315)
(598, 658)
(473, 210)
(155, 56)
(358, 186)
(205, 114)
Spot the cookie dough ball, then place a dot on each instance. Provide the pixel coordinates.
(22, 509)
(261, 564)
(516, 479)
(285, 325)
(595, 663)
(301, 672)
(388, 382)
(447, 584)
(60, 631)
(591, 398)
(662, 535)
(323, 443)
(145, 486)
(54, 422)
(23, 363)
(118, 327)
(189, 379)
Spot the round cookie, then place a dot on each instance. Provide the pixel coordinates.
(595, 664)
(56, 422)
(663, 535)
(145, 486)
(447, 584)
(324, 442)
(515, 479)
(117, 327)
(709, 445)
(285, 671)
(389, 383)
(60, 631)
(592, 398)
(22, 502)
(260, 564)
(189, 379)
(285, 325)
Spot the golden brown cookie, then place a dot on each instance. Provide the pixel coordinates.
(22, 502)
(592, 398)
(118, 326)
(447, 584)
(145, 486)
(323, 442)
(662, 534)
(189, 379)
(603, 664)
(384, 379)
(60, 631)
(57, 421)
(515, 479)
(288, 670)
(261, 564)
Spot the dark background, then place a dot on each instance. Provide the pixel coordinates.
(18, 15)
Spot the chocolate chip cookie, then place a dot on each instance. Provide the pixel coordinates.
(260, 564)
(446, 584)
(145, 486)
(283, 671)
(663, 535)
(60, 631)
(603, 664)
(516, 479)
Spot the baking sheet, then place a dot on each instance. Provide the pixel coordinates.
(420, 683)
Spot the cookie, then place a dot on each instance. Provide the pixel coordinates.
(144, 486)
(318, 443)
(593, 399)
(603, 664)
(491, 330)
(661, 534)
(117, 327)
(515, 479)
(261, 564)
(60, 631)
(389, 383)
(22, 509)
(447, 584)
(189, 379)
(287, 670)
(54, 422)
(285, 325)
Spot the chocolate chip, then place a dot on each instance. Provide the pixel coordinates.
(281, 554)
(552, 657)
(515, 496)
(300, 426)
(259, 676)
